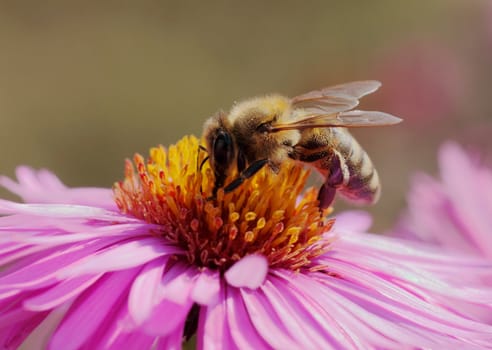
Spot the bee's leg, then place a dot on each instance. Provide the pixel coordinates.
(252, 169)
(326, 195)
(336, 177)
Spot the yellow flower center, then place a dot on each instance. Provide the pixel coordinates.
(265, 215)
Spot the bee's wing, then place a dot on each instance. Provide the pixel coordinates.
(349, 119)
(336, 98)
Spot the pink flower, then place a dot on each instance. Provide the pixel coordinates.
(163, 263)
(455, 211)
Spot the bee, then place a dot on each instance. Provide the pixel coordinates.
(309, 128)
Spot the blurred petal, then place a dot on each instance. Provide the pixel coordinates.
(42, 186)
(353, 220)
(454, 212)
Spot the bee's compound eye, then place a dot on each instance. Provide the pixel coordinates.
(223, 148)
(264, 127)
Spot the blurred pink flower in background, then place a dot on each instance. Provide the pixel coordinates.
(119, 281)
(423, 81)
(455, 211)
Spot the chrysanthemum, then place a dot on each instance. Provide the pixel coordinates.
(455, 211)
(156, 261)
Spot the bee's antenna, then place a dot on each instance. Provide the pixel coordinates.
(199, 165)
(203, 162)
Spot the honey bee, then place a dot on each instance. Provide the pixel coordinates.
(309, 128)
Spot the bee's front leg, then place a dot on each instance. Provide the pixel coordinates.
(252, 169)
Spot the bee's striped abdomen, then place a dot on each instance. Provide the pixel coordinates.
(347, 168)
(362, 182)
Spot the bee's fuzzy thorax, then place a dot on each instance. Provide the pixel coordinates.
(269, 107)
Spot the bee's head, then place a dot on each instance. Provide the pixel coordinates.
(252, 122)
(221, 149)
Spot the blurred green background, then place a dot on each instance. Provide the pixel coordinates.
(83, 85)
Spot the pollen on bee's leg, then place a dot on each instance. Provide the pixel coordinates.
(262, 216)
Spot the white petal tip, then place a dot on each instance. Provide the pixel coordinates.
(249, 272)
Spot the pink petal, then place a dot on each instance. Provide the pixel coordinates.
(401, 325)
(91, 310)
(60, 293)
(143, 294)
(114, 333)
(90, 196)
(264, 318)
(20, 250)
(131, 340)
(400, 248)
(296, 318)
(7, 296)
(130, 230)
(249, 272)
(48, 180)
(468, 196)
(430, 217)
(242, 331)
(13, 299)
(403, 274)
(178, 282)
(207, 287)
(212, 331)
(63, 211)
(171, 342)
(174, 303)
(12, 335)
(44, 187)
(121, 256)
(15, 314)
(394, 299)
(43, 271)
(29, 179)
(358, 321)
(352, 220)
(38, 338)
(167, 317)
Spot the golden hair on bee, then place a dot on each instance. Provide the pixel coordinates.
(309, 128)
